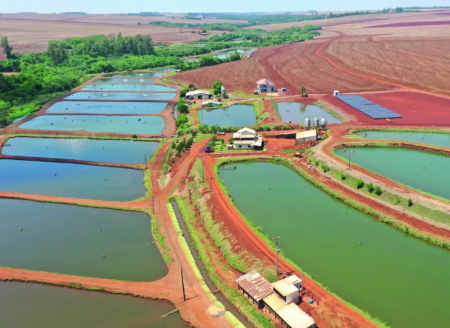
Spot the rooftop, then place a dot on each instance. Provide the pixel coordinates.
(305, 134)
(244, 133)
(291, 314)
(255, 285)
(264, 81)
(196, 92)
(284, 287)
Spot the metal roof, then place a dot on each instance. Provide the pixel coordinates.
(291, 314)
(264, 81)
(305, 134)
(285, 288)
(196, 92)
(255, 285)
(239, 134)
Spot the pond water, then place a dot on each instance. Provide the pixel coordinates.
(435, 139)
(27, 305)
(113, 151)
(239, 51)
(71, 180)
(222, 56)
(297, 112)
(124, 81)
(120, 96)
(97, 123)
(397, 278)
(417, 169)
(154, 73)
(67, 239)
(236, 115)
(107, 107)
(127, 87)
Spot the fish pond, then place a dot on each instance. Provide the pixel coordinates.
(124, 96)
(294, 112)
(236, 115)
(127, 87)
(94, 123)
(27, 305)
(414, 168)
(395, 277)
(154, 73)
(112, 151)
(82, 241)
(124, 81)
(106, 107)
(435, 139)
(71, 180)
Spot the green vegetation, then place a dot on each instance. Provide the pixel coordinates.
(302, 91)
(329, 110)
(217, 87)
(359, 183)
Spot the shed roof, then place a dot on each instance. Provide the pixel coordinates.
(255, 285)
(285, 288)
(264, 81)
(196, 92)
(305, 134)
(244, 132)
(293, 279)
(291, 314)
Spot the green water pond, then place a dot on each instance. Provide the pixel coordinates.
(435, 139)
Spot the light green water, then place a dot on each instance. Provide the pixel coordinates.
(236, 115)
(122, 96)
(294, 112)
(436, 139)
(420, 170)
(395, 277)
(124, 80)
(25, 305)
(106, 107)
(67, 239)
(126, 87)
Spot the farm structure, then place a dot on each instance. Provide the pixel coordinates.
(198, 95)
(265, 86)
(305, 136)
(246, 138)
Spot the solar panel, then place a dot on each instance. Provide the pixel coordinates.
(368, 107)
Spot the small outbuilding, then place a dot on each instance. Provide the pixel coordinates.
(255, 287)
(287, 289)
(246, 138)
(305, 136)
(198, 95)
(291, 315)
(265, 86)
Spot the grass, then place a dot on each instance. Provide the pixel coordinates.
(160, 238)
(243, 94)
(275, 109)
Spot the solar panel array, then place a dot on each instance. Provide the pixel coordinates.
(368, 107)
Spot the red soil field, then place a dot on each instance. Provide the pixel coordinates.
(411, 24)
(416, 108)
(289, 66)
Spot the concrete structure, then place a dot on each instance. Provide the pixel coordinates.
(246, 138)
(305, 136)
(290, 315)
(287, 289)
(198, 95)
(265, 86)
(336, 93)
(255, 287)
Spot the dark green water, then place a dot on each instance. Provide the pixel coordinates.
(106, 107)
(71, 180)
(120, 96)
(127, 87)
(397, 278)
(67, 239)
(297, 112)
(97, 123)
(436, 139)
(113, 151)
(420, 170)
(124, 80)
(25, 305)
(236, 115)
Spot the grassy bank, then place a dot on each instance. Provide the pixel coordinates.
(330, 111)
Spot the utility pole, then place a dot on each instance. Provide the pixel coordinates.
(277, 250)
(146, 161)
(350, 152)
(182, 284)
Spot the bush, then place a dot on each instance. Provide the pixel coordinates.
(343, 176)
(325, 168)
(134, 136)
(359, 183)
(410, 202)
(317, 163)
(378, 190)
(181, 119)
(370, 187)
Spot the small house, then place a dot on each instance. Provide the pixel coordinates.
(265, 86)
(255, 287)
(246, 138)
(336, 93)
(198, 95)
(288, 289)
(305, 136)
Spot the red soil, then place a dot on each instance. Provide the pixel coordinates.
(404, 24)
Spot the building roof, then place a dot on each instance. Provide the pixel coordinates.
(291, 314)
(284, 288)
(244, 133)
(305, 134)
(196, 92)
(244, 142)
(293, 279)
(258, 142)
(255, 285)
(264, 81)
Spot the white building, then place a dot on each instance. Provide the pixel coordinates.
(305, 136)
(265, 86)
(289, 314)
(198, 95)
(287, 289)
(246, 138)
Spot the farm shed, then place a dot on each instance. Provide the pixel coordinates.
(305, 136)
(247, 138)
(265, 86)
(287, 289)
(255, 287)
(198, 94)
(291, 315)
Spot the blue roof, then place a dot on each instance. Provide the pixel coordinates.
(368, 107)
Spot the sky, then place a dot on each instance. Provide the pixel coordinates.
(183, 6)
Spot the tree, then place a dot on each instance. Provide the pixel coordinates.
(56, 52)
(231, 140)
(182, 108)
(183, 92)
(7, 49)
(217, 86)
(182, 119)
(302, 91)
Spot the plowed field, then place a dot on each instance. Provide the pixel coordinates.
(289, 66)
(422, 64)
